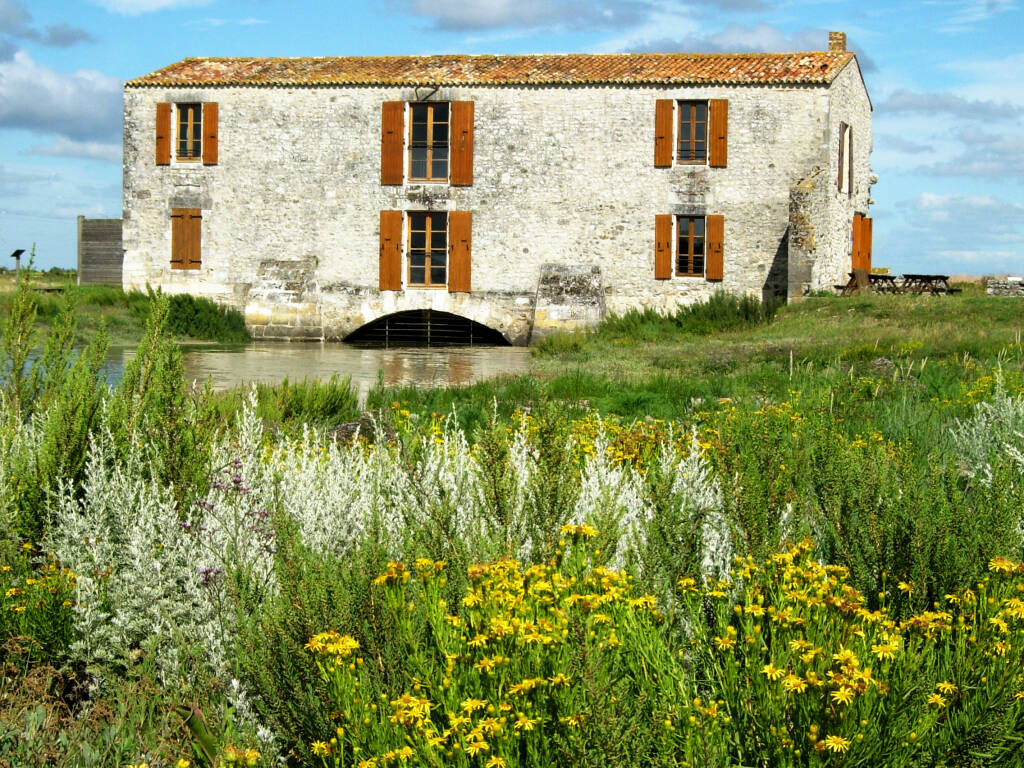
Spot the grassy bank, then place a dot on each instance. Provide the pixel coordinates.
(121, 315)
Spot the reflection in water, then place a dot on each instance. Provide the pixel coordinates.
(270, 362)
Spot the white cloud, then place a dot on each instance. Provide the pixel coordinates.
(983, 155)
(901, 144)
(940, 208)
(16, 24)
(85, 105)
(733, 38)
(135, 7)
(91, 150)
(14, 17)
(972, 12)
(739, 37)
(931, 226)
(577, 14)
(213, 23)
(905, 100)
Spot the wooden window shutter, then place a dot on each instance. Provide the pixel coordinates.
(163, 133)
(186, 238)
(865, 242)
(392, 142)
(663, 246)
(856, 248)
(210, 133)
(663, 113)
(714, 268)
(391, 250)
(460, 246)
(718, 133)
(461, 171)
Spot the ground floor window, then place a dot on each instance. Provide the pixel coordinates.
(428, 250)
(690, 246)
(186, 238)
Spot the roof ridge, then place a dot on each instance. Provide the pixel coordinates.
(503, 69)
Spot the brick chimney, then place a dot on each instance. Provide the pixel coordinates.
(836, 42)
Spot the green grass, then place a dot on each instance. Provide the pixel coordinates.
(887, 363)
(123, 315)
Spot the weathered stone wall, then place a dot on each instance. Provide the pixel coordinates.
(562, 176)
(1008, 286)
(848, 103)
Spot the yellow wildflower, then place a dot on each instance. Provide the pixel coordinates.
(772, 672)
(836, 743)
(524, 723)
(320, 748)
(843, 696)
(469, 706)
(794, 684)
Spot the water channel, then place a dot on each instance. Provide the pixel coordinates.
(270, 362)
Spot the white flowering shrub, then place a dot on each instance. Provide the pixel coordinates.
(144, 582)
(996, 426)
(612, 499)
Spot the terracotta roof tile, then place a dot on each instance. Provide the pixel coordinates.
(555, 69)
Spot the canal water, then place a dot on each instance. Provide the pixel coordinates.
(270, 362)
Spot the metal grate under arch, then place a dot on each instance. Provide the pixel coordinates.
(425, 328)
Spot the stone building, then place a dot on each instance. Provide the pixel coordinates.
(522, 193)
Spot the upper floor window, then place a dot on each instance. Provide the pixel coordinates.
(190, 133)
(691, 132)
(845, 176)
(428, 142)
(189, 137)
(692, 145)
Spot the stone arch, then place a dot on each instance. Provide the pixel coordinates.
(425, 328)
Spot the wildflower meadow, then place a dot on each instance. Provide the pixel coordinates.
(823, 574)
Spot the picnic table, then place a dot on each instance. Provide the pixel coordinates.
(862, 281)
(933, 284)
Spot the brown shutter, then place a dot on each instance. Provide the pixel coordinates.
(163, 133)
(461, 173)
(391, 250)
(392, 142)
(663, 133)
(856, 249)
(186, 238)
(865, 242)
(460, 246)
(663, 246)
(718, 133)
(715, 227)
(210, 133)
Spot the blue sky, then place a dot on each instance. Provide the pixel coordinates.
(945, 77)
